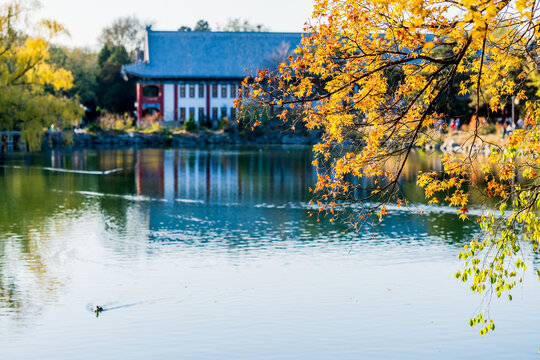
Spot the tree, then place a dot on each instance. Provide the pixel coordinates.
(202, 25)
(377, 75)
(114, 93)
(83, 65)
(25, 73)
(238, 24)
(125, 31)
(184, 28)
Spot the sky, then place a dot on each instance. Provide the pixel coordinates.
(85, 19)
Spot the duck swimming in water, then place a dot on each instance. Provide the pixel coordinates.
(98, 309)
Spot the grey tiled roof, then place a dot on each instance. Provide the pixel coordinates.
(203, 54)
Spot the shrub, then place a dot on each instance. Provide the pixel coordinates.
(156, 127)
(190, 124)
(116, 121)
(94, 128)
(223, 124)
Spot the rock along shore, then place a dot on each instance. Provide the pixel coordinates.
(56, 139)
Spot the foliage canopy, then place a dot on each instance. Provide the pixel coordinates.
(25, 72)
(376, 76)
(114, 94)
(238, 25)
(125, 31)
(82, 63)
(202, 25)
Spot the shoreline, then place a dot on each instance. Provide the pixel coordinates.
(182, 139)
(450, 142)
(119, 139)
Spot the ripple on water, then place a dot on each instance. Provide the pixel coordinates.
(203, 254)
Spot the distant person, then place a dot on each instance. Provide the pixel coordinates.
(506, 128)
(510, 127)
(458, 124)
(439, 125)
(453, 124)
(521, 123)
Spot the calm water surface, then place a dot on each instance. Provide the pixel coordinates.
(211, 254)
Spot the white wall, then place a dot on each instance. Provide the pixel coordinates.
(220, 101)
(168, 102)
(198, 102)
(191, 102)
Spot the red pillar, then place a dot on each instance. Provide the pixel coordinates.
(139, 178)
(175, 102)
(139, 101)
(161, 96)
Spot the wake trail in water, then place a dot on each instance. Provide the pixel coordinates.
(84, 172)
(112, 306)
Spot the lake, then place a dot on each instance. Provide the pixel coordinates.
(211, 254)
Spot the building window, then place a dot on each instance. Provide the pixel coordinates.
(214, 91)
(183, 113)
(233, 113)
(223, 112)
(201, 90)
(214, 114)
(150, 91)
(182, 91)
(192, 91)
(201, 115)
(224, 91)
(191, 113)
(233, 90)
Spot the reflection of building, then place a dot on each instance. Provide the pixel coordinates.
(149, 172)
(195, 75)
(217, 176)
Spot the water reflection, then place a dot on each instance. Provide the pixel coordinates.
(225, 176)
(211, 246)
(247, 200)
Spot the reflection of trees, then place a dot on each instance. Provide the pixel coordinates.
(448, 227)
(225, 200)
(34, 267)
(418, 161)
(27, 204)
(40, 212)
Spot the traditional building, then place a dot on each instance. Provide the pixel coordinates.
(196, 75)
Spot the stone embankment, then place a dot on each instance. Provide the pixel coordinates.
(202, 138)
(451, 143)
